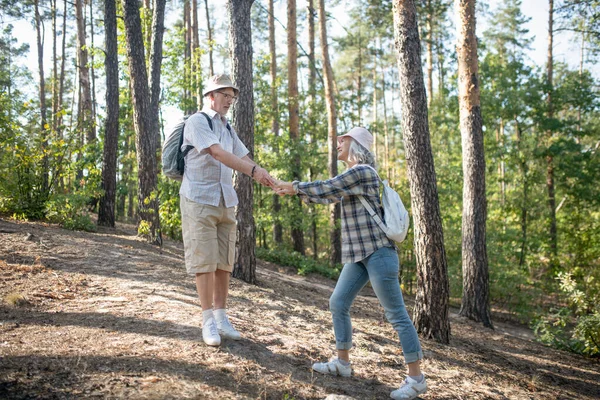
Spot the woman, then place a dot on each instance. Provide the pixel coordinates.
(368, 255)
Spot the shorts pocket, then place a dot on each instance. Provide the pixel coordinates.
(231, 246)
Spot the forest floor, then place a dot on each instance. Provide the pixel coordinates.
(105, 315)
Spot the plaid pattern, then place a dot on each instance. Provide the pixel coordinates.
(205, 178)
(361, 236)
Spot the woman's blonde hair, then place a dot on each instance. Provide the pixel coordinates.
(360, 155)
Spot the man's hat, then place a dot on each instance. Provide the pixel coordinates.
(217, 82)
(361, 135)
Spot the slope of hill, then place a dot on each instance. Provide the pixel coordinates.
(104, 315)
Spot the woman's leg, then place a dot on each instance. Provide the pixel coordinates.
(352, 278)
(383, 269)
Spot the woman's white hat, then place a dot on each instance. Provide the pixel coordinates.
(217, 82)
(361, 135)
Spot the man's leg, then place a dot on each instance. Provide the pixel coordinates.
(221, 285)
(205, 284)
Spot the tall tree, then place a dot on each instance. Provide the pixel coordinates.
(156, 56)
(277, 228)
(549, 157)
(106, 211)
(431, 302)
(85, 114)
(294, 113)
(42, 97)
(475, 300)
(210, 39)
(145, 124)
(335, 234)
(240, 48)
(196, 67)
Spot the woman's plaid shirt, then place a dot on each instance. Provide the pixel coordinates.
(361, 236)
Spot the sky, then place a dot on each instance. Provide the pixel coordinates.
(565, 50)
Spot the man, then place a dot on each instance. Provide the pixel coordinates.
(207, 200)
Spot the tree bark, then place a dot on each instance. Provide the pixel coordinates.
(196, 72)
(85, 121)
(210, 39)
(54, 71)
(429, 44)
(475, 298)
(106, 211)
(431, 303)
(549, 157)
(143, 124)
(158, 29)
(294, 113)
(92, 69)
(335, 234)
(42, 97)
(240, 48)
(62, 70)
(277, 228)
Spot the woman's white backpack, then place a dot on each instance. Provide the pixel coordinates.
(395, 214)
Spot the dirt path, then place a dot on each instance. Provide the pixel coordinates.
(104, 315)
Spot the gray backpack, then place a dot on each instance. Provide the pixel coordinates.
(173, 158)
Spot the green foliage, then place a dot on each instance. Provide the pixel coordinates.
(304, 265)
(70, 211)
(170, 215)
(575, 327)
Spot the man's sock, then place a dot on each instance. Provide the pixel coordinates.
(344, 363)
(418, 378)
(220, 314)
(206, 315)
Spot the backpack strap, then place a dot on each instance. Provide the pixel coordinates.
(376, 217)
(209, 119)
(366, 204)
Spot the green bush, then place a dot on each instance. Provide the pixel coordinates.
(576, 327)
(70, 212)
(303, 264)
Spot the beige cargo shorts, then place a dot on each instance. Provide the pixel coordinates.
(209, 235)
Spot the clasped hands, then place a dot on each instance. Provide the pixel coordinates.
(280, 187)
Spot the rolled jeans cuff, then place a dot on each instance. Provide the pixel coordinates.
(412, 357)
(343, 345)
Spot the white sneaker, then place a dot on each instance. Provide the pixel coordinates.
(410, 389)
(227, 330)
(333, 367)
(210, 334)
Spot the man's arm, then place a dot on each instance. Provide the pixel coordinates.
(244, 165)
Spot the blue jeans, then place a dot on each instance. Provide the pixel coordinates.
(381, 268)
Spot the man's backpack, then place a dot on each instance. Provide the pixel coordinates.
(395, 214)
(173, 158)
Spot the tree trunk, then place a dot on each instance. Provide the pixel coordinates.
(158, 29)
(196, 72)
(294, 112)
(42, 97)
(240, 48)
(148, 218)
(277, 228)
(429, 44)
(92, 70)
(475, 299)
(431, 302)
(210, 39)
(54, 71)
(106, 211)
(61, 88)
(525, 200)
(335, 234)
(312, 101)
(187, 57)
(85, 121)
(549, 157)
